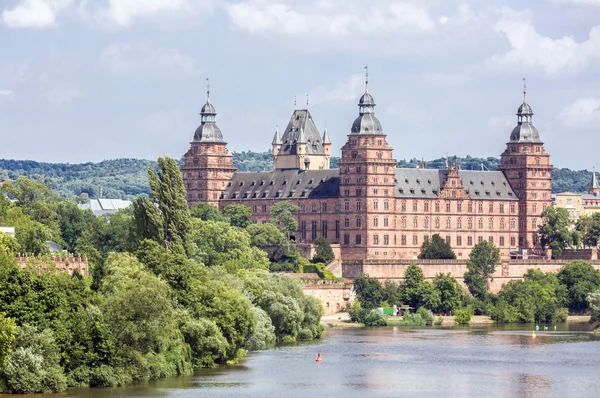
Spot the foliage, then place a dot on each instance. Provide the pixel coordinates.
(580, 279)
(368, 317)
(594, 301)
(324, 253)
(283, 215)
(463, 316)
(589, 229)
(33, 364)
(238, 215)
(415, 291)
(481, 265)
(369, 291)
(426, 315)
(450, 293)
(554, 232)
(282, 252)
(207, 212)
(538, 297)
(7, 336)
(436, 249)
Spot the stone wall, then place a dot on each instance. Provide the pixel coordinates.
(335, 296)
(58, 264)
(506, 271)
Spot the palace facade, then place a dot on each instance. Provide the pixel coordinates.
(368, 206)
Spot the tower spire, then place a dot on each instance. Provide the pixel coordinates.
(208, 89)
(366, 79)
(306, 101)
(294, 101)
(524, 90)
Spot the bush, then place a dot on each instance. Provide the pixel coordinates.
(463, 316)
(426, 315)
(439, 321)
(563, 315)
(373, 318)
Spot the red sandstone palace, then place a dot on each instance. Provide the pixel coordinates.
(368, 206)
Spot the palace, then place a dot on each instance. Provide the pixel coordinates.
(368, 206)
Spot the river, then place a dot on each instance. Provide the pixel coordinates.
(382, 362)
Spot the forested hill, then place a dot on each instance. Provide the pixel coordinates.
(127, 178)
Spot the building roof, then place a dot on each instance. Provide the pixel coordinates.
(302, 127)
(594, 182)
(525, 131)
(427, 184)
(101, 207)
(284, 184)
(366, 122)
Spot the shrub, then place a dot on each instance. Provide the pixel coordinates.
(463, 316)
(439, 321)
(563, 315)
(373, 318)
(426, 315)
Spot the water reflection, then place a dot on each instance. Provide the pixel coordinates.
(396, 361)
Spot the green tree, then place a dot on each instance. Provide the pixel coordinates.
(554, 232)
(72, 222)
(594, 302)
(283, 214)
(239, 215)
(7, 336)
(436, 249)
(324, 253)
(589, 228)
(451, 294)
(580, 279)
(415, 291)
(481, 266)
(369, 291)
(165, 217)
(207, 212)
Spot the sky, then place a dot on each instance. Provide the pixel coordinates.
(87, 80)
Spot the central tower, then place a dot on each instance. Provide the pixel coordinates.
(367, 170)
(526, 165)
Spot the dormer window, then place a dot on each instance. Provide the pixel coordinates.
(423, 191)
(284, 182)
(271, 182)
(412, 191)
(242, 184)
(262, 183)
(477, 193)
(253, 183)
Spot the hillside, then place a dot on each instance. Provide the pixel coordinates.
(127, 178)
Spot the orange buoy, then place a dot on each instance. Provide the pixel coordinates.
(319, 359)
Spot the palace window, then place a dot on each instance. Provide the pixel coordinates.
(385, 222)
(346, 239)
(437, 222)
(346, 206)
(403, 205)
(437, 206)
(375, 222)
(403, 240)
(534, 208)
(512, 208)
(314, 208)
(470, 223)
(513, 241)
(426, 206)
(512, 224)
(469, 241)
(459, 207)
(337, 229)
(502, 223)
(447, 207)
(448, 239)
(264, 208)
(501, 207)
(491, 223)
(386, 205)
(346, 223)
(358, 222)
(403, 222)
(415, 240)
(376, 205)
(358, 205)
(458, 240)
(448, 223)
(534, 224)
(480, 207)
(303, 230)
(491, 207)
(358, 239)
(323, 207)
(491, 239)
(313, 230)
(470, 207)
(324, 228)
(415, 205)
(375, 239)
(480, 223)
(479, 239)
(426, 222)
(459, 223)
(501, 241)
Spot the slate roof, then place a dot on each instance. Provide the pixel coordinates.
(525, 131)
(301, 121)
(284, 184)
(427, 183)
(101, 207)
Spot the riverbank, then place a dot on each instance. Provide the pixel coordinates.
(342, 320)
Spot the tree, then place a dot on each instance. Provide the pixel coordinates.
(415, 291)
(580, 279)
(207, 212)
(239, 215)
(436, 249)
(481, 265)
(324, 253)
(451, 294)
(589, 228)
(594, 301)
(283, 215)
(7, 336)
(369, 291)
(72, 222)
(554, 232)
(165, 217)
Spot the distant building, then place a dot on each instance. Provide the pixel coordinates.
(368, 206)
(101, 207)
(579, 204)
(8, 230)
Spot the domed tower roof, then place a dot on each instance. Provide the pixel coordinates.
(525, 131)
(366, 122)
(208, 131)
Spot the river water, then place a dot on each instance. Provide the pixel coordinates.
(392, 361)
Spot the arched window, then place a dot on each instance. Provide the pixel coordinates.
(448, 223)
(437, 222)
(470, 223)
(502, 223)
(491, 223)
(426, 222)
(459, 223)
(437, 206)
(376, 205)
(415, 221)
(375, 221)
(403, 222)
(480, 223)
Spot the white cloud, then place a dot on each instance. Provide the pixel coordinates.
(34, 13)
(345, 90)
(530, 50)
(127, 58)
(583, 112)
(330, 18)
(5, 92)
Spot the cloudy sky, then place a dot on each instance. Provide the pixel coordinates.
(86, 80)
